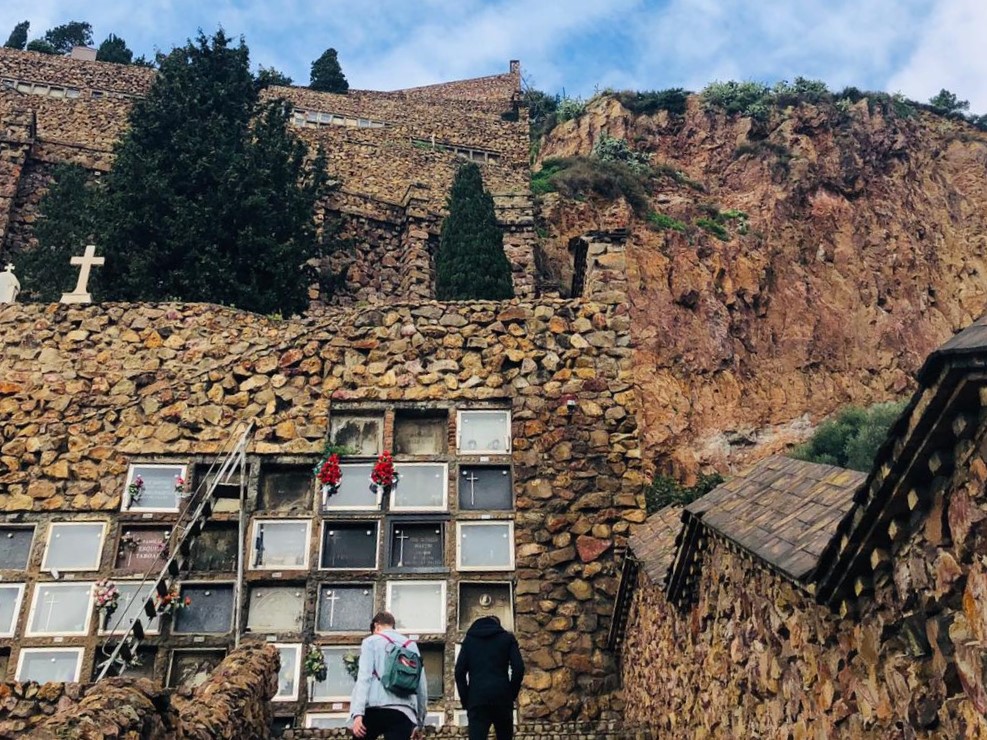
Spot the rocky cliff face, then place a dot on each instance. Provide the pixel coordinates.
(862, 246)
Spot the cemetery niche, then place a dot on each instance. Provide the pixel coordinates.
(418, 606)
(49, 664)
(60, 609)
(349, 545)
(485, 546)
(74, 546)
(133, 595)
(11, 595)
(486, 599)
(433, 661)
(362, 436)
(286, 488)
(421, 487)
(289, 673)
(338, 684)
(276, 609)
(420, 433)
(211, 610)
(485, 487)
(215, 549)
(484, 432)
(191, 668)
(15, 547)
(354, 489)
(141, 549)
(416, 546)
(345, 608)
(153, 487)
(280, 544)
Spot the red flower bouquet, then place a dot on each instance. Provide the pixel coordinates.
(383, 477)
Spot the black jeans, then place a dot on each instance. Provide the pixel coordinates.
(390, 724)
(500, 716)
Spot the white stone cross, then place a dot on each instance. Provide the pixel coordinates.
(472, 481)
(10, 286)
(87, 261)
(332, 598)
(401, 536)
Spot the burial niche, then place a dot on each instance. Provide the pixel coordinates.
(192, 668)
(345, 608)
(276, 608)
(362, 435)
(15, 547)
(211, 610)
(141, 549)
(487, 599)
(421, 487)
(483, 487)
(215, 550)
(416, 546)
(421, 432)
(349, 545)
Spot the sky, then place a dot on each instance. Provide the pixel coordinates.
(575, 47)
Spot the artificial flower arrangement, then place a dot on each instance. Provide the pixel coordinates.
(181, 489)
(135, 490)
(315, 664)
(329, 476)
(129, 541)
(352, 663)
(383, 477)
(106, 596)
(171, 602)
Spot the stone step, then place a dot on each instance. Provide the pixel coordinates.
(611, 730)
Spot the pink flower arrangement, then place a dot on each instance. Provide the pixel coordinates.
(135, 490)
(106, 595)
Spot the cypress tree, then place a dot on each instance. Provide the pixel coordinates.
(18, 37)
(471, 264)
(327, 75)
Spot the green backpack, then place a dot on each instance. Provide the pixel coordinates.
(402, 669)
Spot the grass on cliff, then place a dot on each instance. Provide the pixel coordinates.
(580, 177)
(666, 491)
(851, 439)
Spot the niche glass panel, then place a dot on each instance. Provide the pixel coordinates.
(354, 489)
(487, 599)
(485, 488)
(61, 609)
(290, 672)
(159, 487)
(43, 665)
(418, 606)
(215, 550)
(142, 550)
(362, 435)
(210, 612)
(338, 684)
(10, 605)
(280, 543)
(192, 668)
(130, 605)
(349, 545)
(15, 547)
(325, 720)
(485, 546)
(420, 486)
(416, 434)
(484, 432)
(433, 657)
(74, 546)
(276, 608)
(416, 546)
(286, 488)
(345, 608)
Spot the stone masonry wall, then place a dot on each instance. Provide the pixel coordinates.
(84, 389)
(757, 657)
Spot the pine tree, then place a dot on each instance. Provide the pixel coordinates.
(471, 263)
(211, 197)
(74, 33)
(65, 227)
(269, 76)
(114, 49)
(327, 76)
(18, 37)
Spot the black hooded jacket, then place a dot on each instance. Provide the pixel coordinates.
(481, 668)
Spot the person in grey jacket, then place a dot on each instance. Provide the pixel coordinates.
(374, 711)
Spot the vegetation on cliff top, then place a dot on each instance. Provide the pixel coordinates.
(666, 491)
(852, 438)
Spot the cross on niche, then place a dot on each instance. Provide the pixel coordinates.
(87, 261)
(401, 536)
(332, 598)
(472, 481)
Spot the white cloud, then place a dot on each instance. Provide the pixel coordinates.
(949, 53)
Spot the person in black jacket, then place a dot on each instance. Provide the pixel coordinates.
(485, 687)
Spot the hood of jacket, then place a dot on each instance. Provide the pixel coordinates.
(485, 627)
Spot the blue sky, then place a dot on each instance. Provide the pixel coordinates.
(912, 46)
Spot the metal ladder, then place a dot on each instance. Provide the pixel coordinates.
(186, 530)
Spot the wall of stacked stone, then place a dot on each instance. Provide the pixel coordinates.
(614, 730)
(25, 705)
(84, 389)
(757, 657)
(496, 88)
(86, 76)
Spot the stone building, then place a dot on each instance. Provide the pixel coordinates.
(809, 601)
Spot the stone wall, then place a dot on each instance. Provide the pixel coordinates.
(85, 389)
(24, 705)
(614, 730)
(756, 656)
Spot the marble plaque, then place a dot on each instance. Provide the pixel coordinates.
(142, 549)
(15, 547)
(74, 546)
(351, 545)
(287, 489)
(484, 432)
(338, 684)
(281, 543)
(215, 550)
(159, 487)
(354, 488)
(61, 609)
(276, 609)
(130, 605)
(420, 486)
(49, 665)
(418, 606)
(325, 721)
(485, 600)
(416, 546)
(192, 668)
(485, 487)
(211, 611)
(363, 435)
(420, 435)
(433, 661)
(345, 608)
(486, 546)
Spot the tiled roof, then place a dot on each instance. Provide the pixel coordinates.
(653, 542)
(782, 510)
